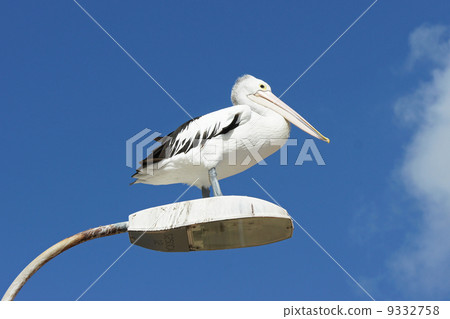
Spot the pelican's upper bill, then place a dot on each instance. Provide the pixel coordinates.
(250, 88)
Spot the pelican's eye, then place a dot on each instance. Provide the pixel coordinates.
(262, 86)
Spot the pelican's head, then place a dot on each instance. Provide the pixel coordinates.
(248, 89)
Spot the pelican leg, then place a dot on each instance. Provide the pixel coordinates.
(214, 182)
(205, 192)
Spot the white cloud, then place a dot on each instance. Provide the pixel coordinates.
(423, 266)
(429, 43)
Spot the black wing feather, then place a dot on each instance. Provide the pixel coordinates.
(170, 144)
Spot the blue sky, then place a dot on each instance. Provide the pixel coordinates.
(70, 98)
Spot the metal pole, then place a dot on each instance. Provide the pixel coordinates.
(55, 250)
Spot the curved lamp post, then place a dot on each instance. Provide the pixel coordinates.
(221, 222)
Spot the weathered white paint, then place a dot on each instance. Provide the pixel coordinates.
(210, 223)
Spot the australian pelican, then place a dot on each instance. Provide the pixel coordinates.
(225, 142)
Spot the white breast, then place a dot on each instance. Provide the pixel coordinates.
(257, 139)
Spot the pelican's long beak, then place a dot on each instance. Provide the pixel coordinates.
(268, 99)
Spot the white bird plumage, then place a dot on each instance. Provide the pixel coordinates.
(225, 142)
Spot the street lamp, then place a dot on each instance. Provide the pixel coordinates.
(221, 222)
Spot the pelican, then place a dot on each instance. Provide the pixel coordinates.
(226, 142)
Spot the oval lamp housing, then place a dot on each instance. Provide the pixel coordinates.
(221, 222)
